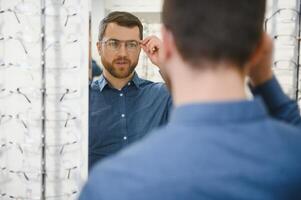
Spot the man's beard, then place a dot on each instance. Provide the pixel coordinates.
(120, 72)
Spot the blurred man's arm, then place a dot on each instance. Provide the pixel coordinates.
(264, 84)
(279, 105)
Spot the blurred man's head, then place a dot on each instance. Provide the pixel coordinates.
(119, 43)
(214, 31)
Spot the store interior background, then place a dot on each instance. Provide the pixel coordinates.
(70, 170)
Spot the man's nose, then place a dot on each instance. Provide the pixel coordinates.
(122, 50)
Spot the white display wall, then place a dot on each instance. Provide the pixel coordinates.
(283, 24)
(43, 98)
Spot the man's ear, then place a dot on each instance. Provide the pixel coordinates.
(98, 45)
(168, 44)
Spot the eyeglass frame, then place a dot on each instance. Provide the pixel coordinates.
(73, 192)
(266, 21)
(126, 42)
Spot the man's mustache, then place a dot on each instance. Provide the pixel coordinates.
(122, 60)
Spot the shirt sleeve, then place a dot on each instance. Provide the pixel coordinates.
(169, 107)
(279, 105)
(168, 103)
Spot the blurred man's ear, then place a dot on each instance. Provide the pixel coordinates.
(265, 46)
(167, 52)
(98, 45)
(168, 44)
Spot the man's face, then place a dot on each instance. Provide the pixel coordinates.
(119, 50)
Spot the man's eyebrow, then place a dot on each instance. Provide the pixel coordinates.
(133, 40)
(113, 39)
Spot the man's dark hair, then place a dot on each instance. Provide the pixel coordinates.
(215, 30)
(122, 19)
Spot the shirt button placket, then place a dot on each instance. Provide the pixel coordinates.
(124, 129)
(123, 117)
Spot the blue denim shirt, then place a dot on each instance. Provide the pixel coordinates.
(226, 150)
(118, 118)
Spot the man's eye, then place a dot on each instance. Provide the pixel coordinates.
(132, 45)
(113, 43)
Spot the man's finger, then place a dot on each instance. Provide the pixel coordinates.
(146, 50)
(145, 41)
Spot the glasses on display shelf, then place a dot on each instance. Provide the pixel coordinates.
(283, 15)
(65, 66)
(284, 65)
(286, 81)
(284, 70)
(53, 9)
(60, 10)
(35, 175)
(35, 65)
(286, 85)
(6, 118)
(286, 40)
(34, 148)
(52, 43)
(5, 146)
(61, 42)
(32, 135)
(285, 52)
(16, 38)
(62, 2)
(60, 119)
(30, 118)
(286, 46)
(54, 94)
(64, 196)
(22, 65)
(64, 134)
(19, 91)
(62, 93)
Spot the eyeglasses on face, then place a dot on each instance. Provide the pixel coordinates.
(115, 45)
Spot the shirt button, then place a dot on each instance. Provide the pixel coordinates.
(125, 138)
(129, 83)
(122, 115)
(121, 94)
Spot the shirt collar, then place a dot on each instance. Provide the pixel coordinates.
(136, 80)
(102, 82)
(223, 112)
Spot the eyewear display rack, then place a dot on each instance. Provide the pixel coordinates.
(283, 24)
(44, 62)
